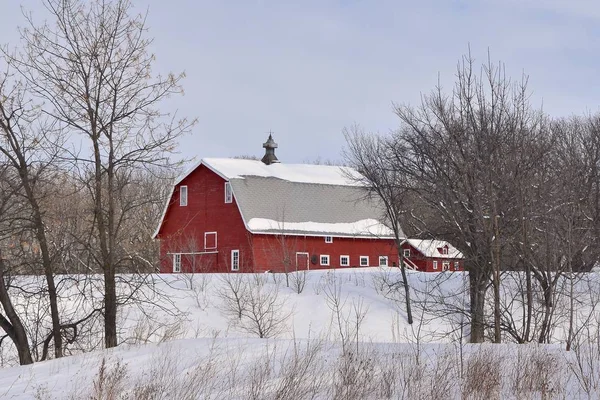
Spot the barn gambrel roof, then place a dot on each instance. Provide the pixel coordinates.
(300, 199)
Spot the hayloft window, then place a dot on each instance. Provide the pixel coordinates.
(364, 261)
(435, 265)
(235, 260)
(183, 196)
(344, 261)
(324, 259)
(228, 193)
(328, 239)
(177, 262)
(210, 240)
(406, 253)
(444, 250)
(383, 261)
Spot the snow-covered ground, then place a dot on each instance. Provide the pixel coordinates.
(344, 336)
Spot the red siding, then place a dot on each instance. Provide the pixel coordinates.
(271, 251)
(183, 228)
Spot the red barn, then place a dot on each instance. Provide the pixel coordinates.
(431, 255)
(252, 216)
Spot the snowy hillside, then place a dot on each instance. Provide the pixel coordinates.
(344, 336)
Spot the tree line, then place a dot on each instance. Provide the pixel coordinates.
(515, 189)
(85, 151)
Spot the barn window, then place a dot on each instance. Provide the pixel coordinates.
(183, 196)
(364, 261)
(344, 261)
(445, 266)
(228, 193)
(444, 250)
(210, 240)
(235, 260)
(324, 259)
(435, 265)
(328, 239)
(383, 261)
(456, 265)
(177, 262)
(406, 253)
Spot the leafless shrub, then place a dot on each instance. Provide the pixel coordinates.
(538, 373)
(298, 281)
(347, 323)
(165, 380)
(482, 376)
(302, 373)
(584, 361)
(263, 313)
(110, 382)
(354, 376)
(233, 293)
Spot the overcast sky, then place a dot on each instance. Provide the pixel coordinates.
(307, 69)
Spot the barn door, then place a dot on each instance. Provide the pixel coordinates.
(302, 261)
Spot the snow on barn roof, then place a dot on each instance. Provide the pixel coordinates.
(271, 205)
(299, 199)
(431, 248)
(230, 168)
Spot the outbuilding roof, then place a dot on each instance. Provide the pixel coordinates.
(433, 248)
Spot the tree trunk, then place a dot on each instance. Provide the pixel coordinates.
(13, 326)
(406, 287)
(46, 259)
(110, 308)
(477, 305)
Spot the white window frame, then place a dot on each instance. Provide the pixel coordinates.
(456, 265)
(445, 265)
(235, 263)
(228, 193)
(360, 261)
(321, 260)
(347, 257)
(328, 239)
(177, 262)
(386, 261)
(435, 265)
(183, 196)
(406, 253)
(205, 236)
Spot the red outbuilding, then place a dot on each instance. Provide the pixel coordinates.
(431, 255)
(251, 216)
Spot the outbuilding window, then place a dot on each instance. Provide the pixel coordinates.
(383, 261)
(235, 260)
(177, 262)
(183, 196)
(324, 259)
(344, 261)
(364, 261)
(228, 193)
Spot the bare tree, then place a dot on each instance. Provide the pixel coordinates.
(376, 159)
(92, 69)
